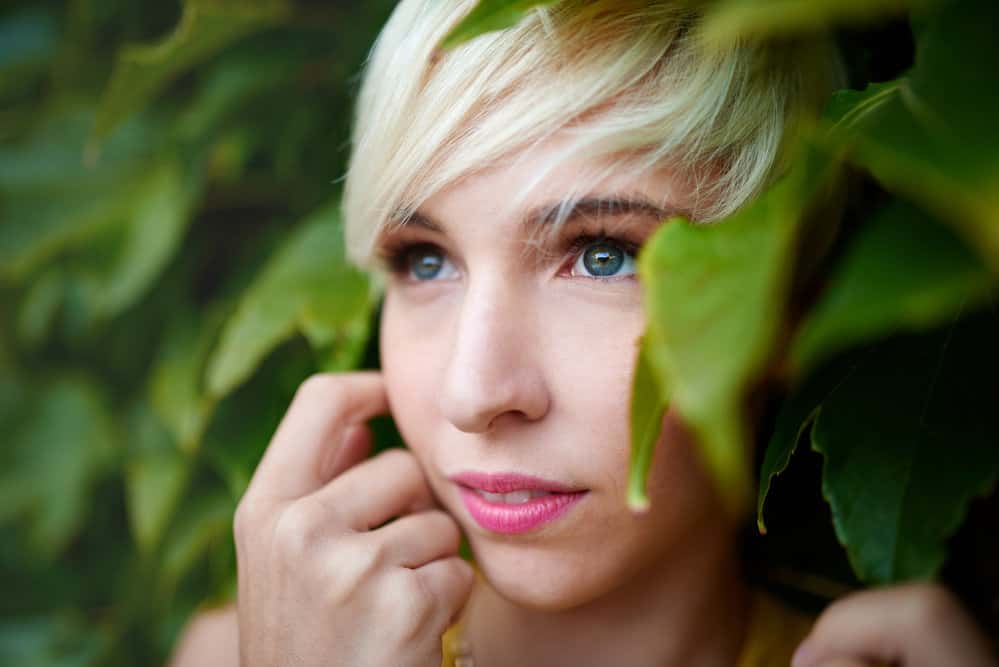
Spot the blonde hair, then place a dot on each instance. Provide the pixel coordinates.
(626, 79)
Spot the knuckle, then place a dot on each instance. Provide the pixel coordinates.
(295, 532)
(402, 460)
(327, 389)
(412, 606)
(245, 519)
(930, 605)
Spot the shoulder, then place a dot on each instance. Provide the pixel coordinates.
(210, 639)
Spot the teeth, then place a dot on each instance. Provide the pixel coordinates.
(512, 498)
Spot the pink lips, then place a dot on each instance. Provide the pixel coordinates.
(519, 517)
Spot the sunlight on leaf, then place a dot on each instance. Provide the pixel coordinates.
(715, 296)
(490, 15)
(308, 287)
(648, 405)
(155, 476)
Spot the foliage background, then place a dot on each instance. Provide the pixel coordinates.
(171, 268)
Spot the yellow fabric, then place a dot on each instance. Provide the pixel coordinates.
(775, 630)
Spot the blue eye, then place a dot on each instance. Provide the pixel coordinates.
(427, 262)
(604, 259)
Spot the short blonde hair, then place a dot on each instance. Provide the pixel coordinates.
(626, 78)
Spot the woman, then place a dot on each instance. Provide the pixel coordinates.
(505, 188)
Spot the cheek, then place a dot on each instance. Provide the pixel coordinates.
(409, 368)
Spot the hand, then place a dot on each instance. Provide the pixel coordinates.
(917, 625)
(320, 583)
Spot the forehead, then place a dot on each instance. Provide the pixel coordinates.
(537, 181)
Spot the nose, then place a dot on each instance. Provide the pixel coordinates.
(493, 374)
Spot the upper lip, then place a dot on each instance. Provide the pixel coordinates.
(507, 482)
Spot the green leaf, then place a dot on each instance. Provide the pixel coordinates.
(308, 287)
(797, 413)
(715, 297)
(931, 135)
(40, 306)
(206, 27)
(48, 203)
(903, 272)
(176, 384)
(155, 476)
(909, 440)
(729, 21)
(648, 405)
(61, 447)
(205, 521)
(149, 236)
(61, 639)
(490, 15)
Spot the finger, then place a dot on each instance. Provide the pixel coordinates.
(354, 447)
(323, 407)
(387, 486)
(845, 662)
(416, 539)
(916, 625)
(450, 581)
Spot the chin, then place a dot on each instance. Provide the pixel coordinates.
(538, 577)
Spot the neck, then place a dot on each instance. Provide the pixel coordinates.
(687, 609)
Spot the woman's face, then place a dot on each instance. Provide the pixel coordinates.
(508, 356)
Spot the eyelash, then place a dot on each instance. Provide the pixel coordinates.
(394, 256)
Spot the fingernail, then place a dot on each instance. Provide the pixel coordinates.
(803, 655)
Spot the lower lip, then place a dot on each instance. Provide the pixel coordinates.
(512, 519)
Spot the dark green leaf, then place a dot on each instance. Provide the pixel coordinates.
(796, 415)
(931, 135)
(729, 21)
(206, 27)
(909, 440)
(904, 272)
(489, 15)
(308, 287)
(60, 448)
(648, 405)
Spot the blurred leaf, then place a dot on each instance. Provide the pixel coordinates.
(155, 476)
(648, 405)
(60, 448)
(206, 27)
(207, 519)
(57, 640)
(489, 15)
(149, 237)
(729, 21)
(47, 193)
(931, 135)
(908, 444)
(40, 307)
(176, 384)
(308, 286)
(27, 41)
(710, 349)
(870, 297)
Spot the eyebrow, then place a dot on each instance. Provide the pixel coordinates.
(547, 214)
